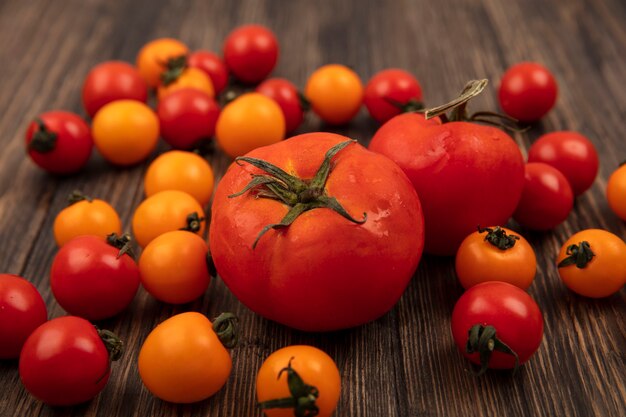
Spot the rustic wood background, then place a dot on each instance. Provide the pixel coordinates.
(404, 364)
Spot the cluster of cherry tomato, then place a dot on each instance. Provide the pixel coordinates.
(315, 232)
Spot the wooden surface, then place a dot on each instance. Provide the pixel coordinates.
(404, 364)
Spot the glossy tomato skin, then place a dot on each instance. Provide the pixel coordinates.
(22, 310)
(95, 217)
(547, 198)
(152, 58)
(212, 65)
(616, 192)
(89, 279)
(335, 93)
(527, 91)
(110, 81)
(73, 145)
(571, 153)
(186, 116)
(251, 53)
(514, 314)
(284, 93)
(64, 362)
(390, 84)
(465, 174)
(302, 276)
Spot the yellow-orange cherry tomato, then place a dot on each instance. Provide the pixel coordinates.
(183, 171)
(304, 364)
(166, 211)
(495, 254)
(125, 132)
(250, 121)
(190, 78)
(85, 216)
(184, 359)
(335, 93)
(593, 263)
(173, 267)
(616, 192)
(153, 57)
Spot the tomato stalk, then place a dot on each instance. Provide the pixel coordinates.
(300, 195)
(123, 243)
(174, 69)
(483, 339)
(409, 106)
(114, 344)
(498, 237)
(226, 328)
(43, 140)
(579, 255)
(76, 196)
(194, 223)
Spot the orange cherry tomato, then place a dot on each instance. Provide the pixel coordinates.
(166, 211)
(184, 359)
(250, 121)
(85, 216)
(190, 78)
(495, 254)
(125, 132)
(153, 57)
(294, 365)
(183, 171)
(173, 267)
(616, 192)
(593, 263)
(335, 93)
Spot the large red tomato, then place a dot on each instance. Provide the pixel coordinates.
(331, 242)
(464, 173)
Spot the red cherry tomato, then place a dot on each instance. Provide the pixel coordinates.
(503, 314)
(250, 53)
(187, 116)
(22, 310)
(527, 91)
(571, 153)
(93, 278)
(67, 361)
(286, 95)
(212, 66)
(59, 142)
(110, 81)
(391, 92)
(547, 198)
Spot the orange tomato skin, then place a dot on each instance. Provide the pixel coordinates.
(605, 274)
(183, 361)
(479, 261)
(163, 212)
(250, 121)
(190, 78)
(95, 217)
(315, 368)
(335, 93)
(153, 56)
(183, 171)
(616, 192)
(173, 267)
(125, 132)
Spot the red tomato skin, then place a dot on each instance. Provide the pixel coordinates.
(73, 146)
(392, 83)
(303, 276)
(110, 81)
(547, 198)
(286, 95)
(527, 91)
(251, 53)
(571, 153)
(89, 280)
(213, 66)
(514, 314)
(187, 116)
(64, 362)
(22, 310)
(465, 174)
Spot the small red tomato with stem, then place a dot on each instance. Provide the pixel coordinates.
(251, 53)
(212, 65)
(59, 142)
(391, 92)
(67, 361)
(547, 198)
(527, 91)
(291, 101)
(22, 310)
(95, 278)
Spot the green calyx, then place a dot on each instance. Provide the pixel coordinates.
(484, 341)
(76, 196)
(114, 344)
(302, 399)
(193, 223)
(300, 195)
(123, 243)
(409, 106)
(305, 103)
(226, 326)
(43, 139)
(579, 255)
(498, 237)
(174, 68)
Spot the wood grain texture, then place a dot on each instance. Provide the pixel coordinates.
(404, 364)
